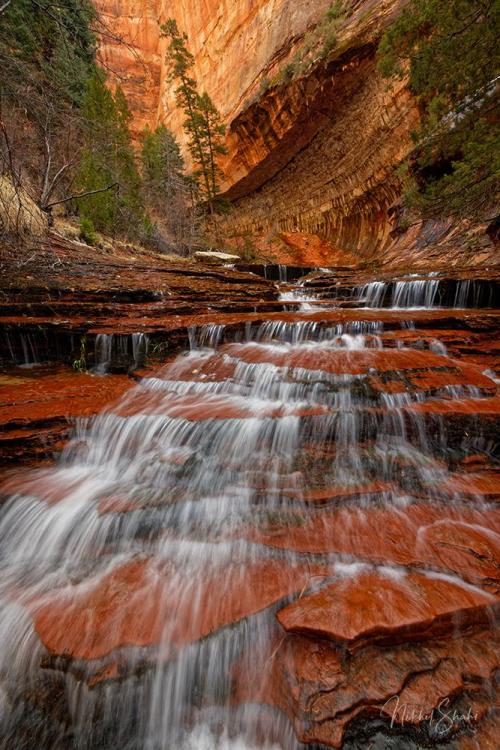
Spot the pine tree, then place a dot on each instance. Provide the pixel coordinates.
(162, 166)
(108, 161)
(168, 191)
(47, 53)
(202, 124)
(47, 44)
(212, 133)
(450, 49)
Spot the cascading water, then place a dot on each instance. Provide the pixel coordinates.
(108, 347)
(24, 351)
(138, 572)
(409, 293)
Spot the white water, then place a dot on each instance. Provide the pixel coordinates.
(199, 483)
(409, 293)
(131, 348)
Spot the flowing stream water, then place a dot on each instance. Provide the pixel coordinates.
(154, 518)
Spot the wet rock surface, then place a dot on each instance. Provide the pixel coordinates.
(288, 533)
(39, 406)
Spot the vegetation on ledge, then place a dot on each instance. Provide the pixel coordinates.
(449, 49)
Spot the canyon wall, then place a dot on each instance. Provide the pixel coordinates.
(312, 162)
(234, 43)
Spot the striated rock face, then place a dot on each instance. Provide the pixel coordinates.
(131, 52)
(311, 164)
(233, 44)
(315, 156)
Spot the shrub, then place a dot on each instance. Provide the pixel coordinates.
(87, 231)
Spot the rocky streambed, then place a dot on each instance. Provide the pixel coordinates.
(272, 520)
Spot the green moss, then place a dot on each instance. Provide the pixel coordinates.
(335, 11)
(80, 364)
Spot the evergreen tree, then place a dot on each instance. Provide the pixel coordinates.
(169, 192)
(108, 161)
(450, 50)
(202, 124)
(212, 132)
(47, 53)
(49, 44)
(162, 166)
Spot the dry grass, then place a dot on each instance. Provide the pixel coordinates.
(18, 212)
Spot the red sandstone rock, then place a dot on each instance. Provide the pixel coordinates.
(372, 607)
(325, 495)
(424, 369)
(43, 484)
(115, 505)
(147, 604)
(323, 691)
(311, 250)
(485, 485)
(53, 397)
(37, 408)
(210, 406)
(482, 407)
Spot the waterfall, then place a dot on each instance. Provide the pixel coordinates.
(425, 293)
(140, 346)
(142, 574)
(131, 349)
(421, 293)
(103, 351)
(371, 294)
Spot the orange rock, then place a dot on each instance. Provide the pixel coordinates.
(37, 406)
(147, 604)
(115, 505)
(55, 397)
(372, 608)
(485, 485)
(311, 250)
(424, 369)
(323, 691)
(324, 495)
(210, 406)
(44, 484)
(482, 407)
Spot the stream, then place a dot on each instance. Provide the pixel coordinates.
(263, 540)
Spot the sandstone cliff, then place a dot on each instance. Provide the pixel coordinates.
(312, 161)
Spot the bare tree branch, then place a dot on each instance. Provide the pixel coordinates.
(80, 195)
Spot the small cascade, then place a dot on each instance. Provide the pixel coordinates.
(123, 351)
(414, 294)
(372, 294)
(207, 336)
(152, 566)
(282, 274)
(23, 349)
(140, 348)
(300, 298)
(426, 293)
(103, 352)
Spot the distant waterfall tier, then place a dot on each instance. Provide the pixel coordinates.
(324, 288)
